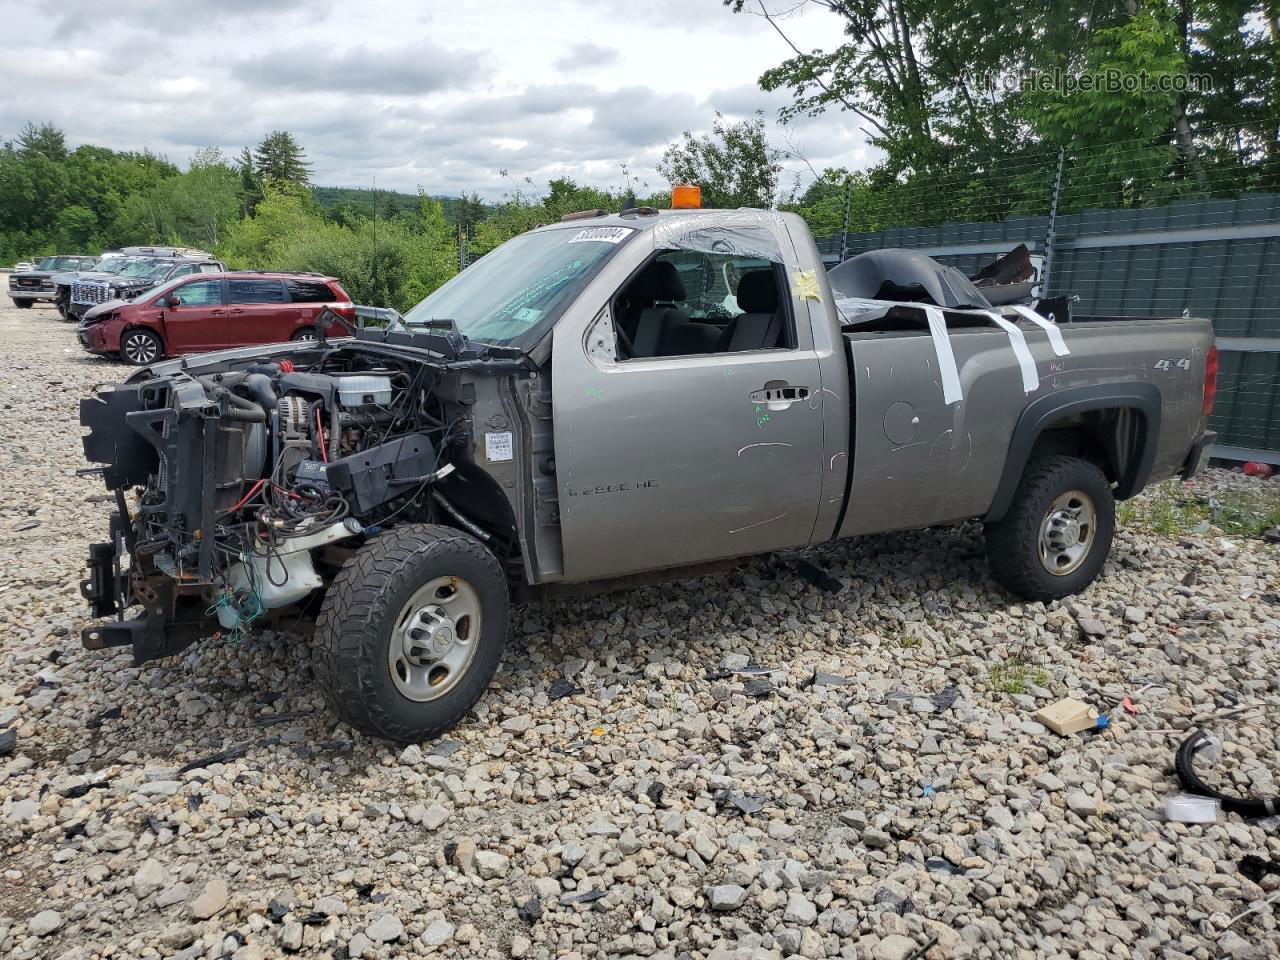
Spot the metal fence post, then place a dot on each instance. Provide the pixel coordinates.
(1049, 232)
(844, 230)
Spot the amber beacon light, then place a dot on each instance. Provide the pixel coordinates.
(686, 196)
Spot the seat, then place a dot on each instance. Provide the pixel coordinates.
(760, 327)
(651, 306)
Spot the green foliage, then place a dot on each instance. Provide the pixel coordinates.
(734, 164)
(1170, 510)
(190, 209)
(347, 204)
(527, 208)
(280, 162)
(1103, 124)
(382, 263)
(912, 76)
(54, 200)
(46, 140)
(1014, 676)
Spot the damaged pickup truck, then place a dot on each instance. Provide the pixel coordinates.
(612, 395)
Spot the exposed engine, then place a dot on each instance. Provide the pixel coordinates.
(244, 476)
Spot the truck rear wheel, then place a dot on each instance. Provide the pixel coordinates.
(411, 632)
(1057, 533)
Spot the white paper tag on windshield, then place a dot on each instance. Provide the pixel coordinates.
(498, 447)
(601, 235)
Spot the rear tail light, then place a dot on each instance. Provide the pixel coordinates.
(1210, 381)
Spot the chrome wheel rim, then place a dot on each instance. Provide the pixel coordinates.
(1067, 532)
(306, 335)
(139, 348)
(434, 639)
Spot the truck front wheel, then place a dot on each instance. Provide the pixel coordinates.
(411, 632)
(1057, 533)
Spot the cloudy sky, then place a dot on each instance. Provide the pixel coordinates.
(439, 94)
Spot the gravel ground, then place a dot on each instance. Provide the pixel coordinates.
(624, 789)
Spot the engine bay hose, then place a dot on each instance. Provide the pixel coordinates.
(1246, 807)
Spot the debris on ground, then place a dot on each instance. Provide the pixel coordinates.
(1067, 716)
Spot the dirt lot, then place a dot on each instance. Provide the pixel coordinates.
(626, 789)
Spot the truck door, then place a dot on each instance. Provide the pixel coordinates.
(687, 411)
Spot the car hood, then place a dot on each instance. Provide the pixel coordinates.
(33, 274)
(100, 310)
(75, 275)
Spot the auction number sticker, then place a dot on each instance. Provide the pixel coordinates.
(498, 447)
(601, 235)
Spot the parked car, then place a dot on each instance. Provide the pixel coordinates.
(110, 265)
(23, 265)
(584, 403)
(135, 279)
(195, 314)
(31, 286)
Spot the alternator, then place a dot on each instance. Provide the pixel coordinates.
(295, 424)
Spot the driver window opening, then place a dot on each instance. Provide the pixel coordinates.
(691, 303)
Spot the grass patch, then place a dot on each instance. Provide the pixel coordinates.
(1015, 676)
(1169, 510)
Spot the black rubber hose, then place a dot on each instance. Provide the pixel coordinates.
(1268, 807)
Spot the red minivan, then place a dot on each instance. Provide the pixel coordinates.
(214, 311)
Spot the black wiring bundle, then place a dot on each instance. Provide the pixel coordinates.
(1245, 806)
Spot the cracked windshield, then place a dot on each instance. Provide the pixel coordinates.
(512, 294)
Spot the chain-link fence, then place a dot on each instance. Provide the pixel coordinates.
(1129, 230)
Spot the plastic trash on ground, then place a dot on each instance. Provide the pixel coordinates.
(1185, 808)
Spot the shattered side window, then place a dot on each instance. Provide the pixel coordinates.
(740, 233)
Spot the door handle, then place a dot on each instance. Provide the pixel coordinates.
(778, 395)
(217, 313)
(235, 312)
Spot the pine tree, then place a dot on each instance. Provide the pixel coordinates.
(281, 160)
(250, 191)
(46, 140)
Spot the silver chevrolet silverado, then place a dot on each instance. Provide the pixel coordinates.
(608, 396)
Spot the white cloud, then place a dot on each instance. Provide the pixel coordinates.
(582, 55)
(443, 97)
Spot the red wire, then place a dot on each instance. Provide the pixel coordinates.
(248, 496)
(324, 454)
(287, 493)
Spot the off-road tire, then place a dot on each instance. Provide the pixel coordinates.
(23, 304)
(140, 357)
(356, 620)
(1013, 543)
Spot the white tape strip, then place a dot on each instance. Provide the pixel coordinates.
(1030, 380)
(951, 392)
(1055, 335)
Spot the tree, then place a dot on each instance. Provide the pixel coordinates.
(250, 192)
(1119, 141)
(734, 164)
(281, 161)
(468, 211)
(45, 140)
(75, 228)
